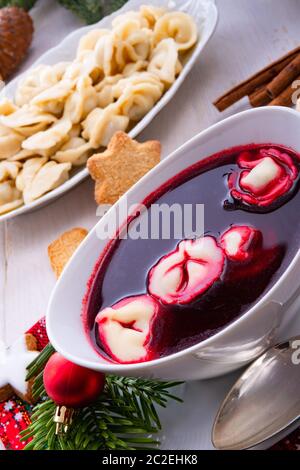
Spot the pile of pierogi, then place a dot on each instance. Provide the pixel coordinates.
(62, 114)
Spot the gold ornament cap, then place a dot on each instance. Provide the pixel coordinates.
(63, 418)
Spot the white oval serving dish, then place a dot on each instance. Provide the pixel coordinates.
(205, 14)
(235, 345)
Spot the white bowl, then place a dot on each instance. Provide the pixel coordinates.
(238, 343)
(205, 14)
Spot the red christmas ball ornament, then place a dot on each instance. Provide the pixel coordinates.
(70, 385)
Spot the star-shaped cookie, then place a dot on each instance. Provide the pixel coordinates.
(61, 249)
(121, 165)
(13, 368)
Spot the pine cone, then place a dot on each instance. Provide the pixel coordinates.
(16, 31)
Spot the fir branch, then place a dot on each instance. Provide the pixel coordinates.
(35, 371)
(39, 363)
(124, 416)
(112, 5)
(112, 422)
(26, 4)
(92, 11)
(140, 395)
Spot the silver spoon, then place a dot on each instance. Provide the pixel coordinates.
(263, 402)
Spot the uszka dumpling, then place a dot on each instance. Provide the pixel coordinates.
(50, 176)
(52, 99)
(82, 101)
(139, 95)
(105, 90)
(38, 80)
(83, 66)
(101, 124)
(27, 120)
(75, 130)
(30, 85)
(22, 155)
(48, 139)
(126, 329)
(128, 16)
(10, 142)
(137, 47)
(10, 197)
(136, 79)
(164, 61)
(134, 67)
(136, 39)
(179, 26)
(75, 151)
(126, 27)
(151, 14)
(7, 107)
(89, 40)
(9, 170)
(104, 54)
(57, 92)
(28, 172)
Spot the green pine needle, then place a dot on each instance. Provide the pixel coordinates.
(26, 4)
(38, 364)
(124, 417)
(112, 5)
(125, 421)
(92, 11)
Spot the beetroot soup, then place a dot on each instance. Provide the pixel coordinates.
(152, 297)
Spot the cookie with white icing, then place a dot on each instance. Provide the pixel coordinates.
(13, 368)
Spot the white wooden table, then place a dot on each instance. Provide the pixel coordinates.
(249, 35)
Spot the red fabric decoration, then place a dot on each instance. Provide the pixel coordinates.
(15, 415)
(39, 331)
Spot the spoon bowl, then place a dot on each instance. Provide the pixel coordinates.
(263, 402)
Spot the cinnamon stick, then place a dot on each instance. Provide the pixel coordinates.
(250, 85)
(280, 90)
(284, 78)
(259, 97)
(285, 97)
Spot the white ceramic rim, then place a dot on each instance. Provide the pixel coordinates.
(119, 368)
(48, 58)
